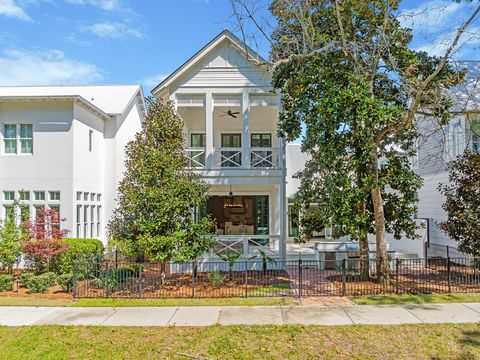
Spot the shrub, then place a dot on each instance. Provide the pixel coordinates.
(40, 283)
(216, 278)
(116, 277)
(65, 281)
(24, 277)
(6, 283)
(78, 250)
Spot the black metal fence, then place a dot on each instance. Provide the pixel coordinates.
(123, 279)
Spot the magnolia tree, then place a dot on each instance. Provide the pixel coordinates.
(158, 194)
(462, 203)
(11, 237)
(351, 87)
(43, 239)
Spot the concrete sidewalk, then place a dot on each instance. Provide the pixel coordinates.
(242, 315)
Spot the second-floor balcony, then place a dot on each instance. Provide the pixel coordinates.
(233, 158)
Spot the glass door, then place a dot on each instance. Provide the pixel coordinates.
(231, 157)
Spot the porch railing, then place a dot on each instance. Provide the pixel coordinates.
(266, 158)
(248, 245)
(228, 157)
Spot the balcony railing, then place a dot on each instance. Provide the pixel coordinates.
(232, 158)
(196, 157)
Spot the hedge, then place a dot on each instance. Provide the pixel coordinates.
(79, 249)
(6, 283)
(40, 283)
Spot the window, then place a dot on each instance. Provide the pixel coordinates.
(18, 137)
(261, 140)
(92, 196)
(99, 221)
(262, 217)
(24, 195)
(293, 220)
(85, 196)
(414, 162)
(453, 139)
(24, 213)
(474, 122)
(38, 210)
(39, 195)
(92, 220)
(54, 195)
(231, 158)
(199, 212)
(10, 139)
(85, 221)
(79, 195)
(79, 220)
(261, 158)
(9, 195)
(56, 208)
(99, 197)
(90, 140)
(198, 140)
(9, 213)
(26, 138)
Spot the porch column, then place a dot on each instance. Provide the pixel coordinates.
(282, 194)
(246, 130)
(209, 158)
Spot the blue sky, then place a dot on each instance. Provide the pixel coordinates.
(141, 41)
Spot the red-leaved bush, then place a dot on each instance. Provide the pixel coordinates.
(43, 240)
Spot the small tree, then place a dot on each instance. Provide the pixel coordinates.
(462, 203)
(44, 240)
(231, 258)
(158, 193)
(10, 244)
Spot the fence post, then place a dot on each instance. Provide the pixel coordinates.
(74, 279)
(449, 275)
(344, 277)
(193, 281)
(448, 251)
(397, 263)
(300, 275)
(246, 278)
(140, 271)
(106, 278)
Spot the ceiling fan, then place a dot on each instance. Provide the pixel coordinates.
(230, 113)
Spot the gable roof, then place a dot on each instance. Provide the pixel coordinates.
(225, 34)
(107, 99)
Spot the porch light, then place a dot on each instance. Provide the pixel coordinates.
(232, 204)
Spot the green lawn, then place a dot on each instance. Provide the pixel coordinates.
(446, 341)
(416, 299)
(266, 301)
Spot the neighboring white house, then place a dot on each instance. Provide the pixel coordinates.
(225, 97)
(440, 144)
(63, 147)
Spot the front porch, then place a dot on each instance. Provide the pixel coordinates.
(248, 220)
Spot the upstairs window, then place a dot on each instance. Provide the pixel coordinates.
(198, 140)
(24, 195)
(261, 140)
(26, 139)
(454, 140)
(10, 139)
(39, 195)
(9, 195)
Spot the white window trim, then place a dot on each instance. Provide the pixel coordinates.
(18, 149)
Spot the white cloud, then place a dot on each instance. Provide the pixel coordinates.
(432, 15)
(114, 30)
(102, 4)
(440, 44)
(47, 67)
(11, 9)
(153, 80)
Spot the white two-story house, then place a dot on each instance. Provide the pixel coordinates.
(225, 97)
(439, 144)
(63, 147)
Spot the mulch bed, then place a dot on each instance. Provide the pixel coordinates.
(180, 285)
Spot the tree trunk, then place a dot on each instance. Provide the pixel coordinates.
(380, 234)
(364, 258)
